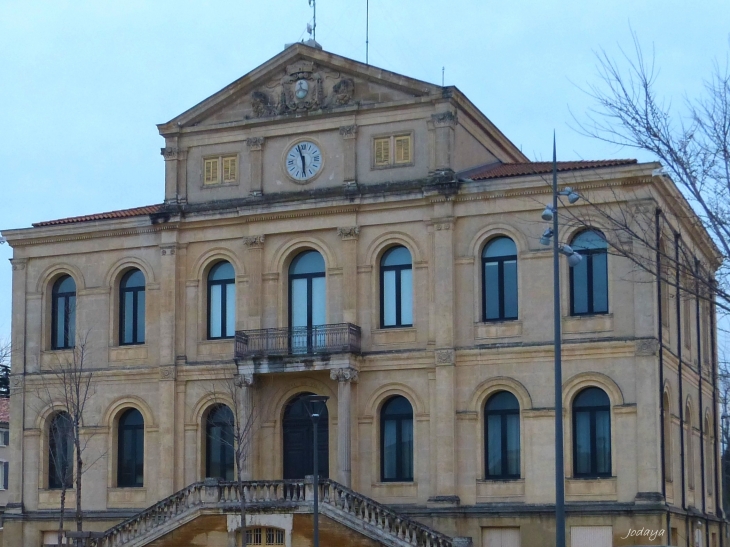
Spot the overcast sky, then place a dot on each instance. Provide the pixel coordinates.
(83, 83)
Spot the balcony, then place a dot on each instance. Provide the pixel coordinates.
(297, 342)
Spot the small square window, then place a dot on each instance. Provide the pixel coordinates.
(221, 169)
(393, 150)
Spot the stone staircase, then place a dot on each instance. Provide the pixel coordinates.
(337, 502)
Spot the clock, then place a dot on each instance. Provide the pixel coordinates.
(303, 161)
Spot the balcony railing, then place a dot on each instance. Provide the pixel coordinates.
(335, 338)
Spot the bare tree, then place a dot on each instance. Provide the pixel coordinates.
(240, 423)
(693, 146)
(4, 369)
(69, 385)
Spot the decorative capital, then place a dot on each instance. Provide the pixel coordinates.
(344, 374)
(255, 143)
(167, 372)
(170, 153)
(255, 242)
(243, 380)
(18, 263)
(647, 347)
(16, 383)
(445, 357)
(168, 249)
(443, 224)
(444, 119)
(348, 232)
(348, 131)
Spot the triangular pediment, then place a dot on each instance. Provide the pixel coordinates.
(298, 80)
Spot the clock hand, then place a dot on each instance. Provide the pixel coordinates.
(301, 156)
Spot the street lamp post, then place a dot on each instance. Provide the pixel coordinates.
(551, 213)
(315, 405)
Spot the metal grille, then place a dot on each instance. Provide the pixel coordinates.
(335, 338)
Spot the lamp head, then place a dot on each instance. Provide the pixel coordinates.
(547, 214)
(546, 237)
(315, 405)
(574, 259)
(573, 197)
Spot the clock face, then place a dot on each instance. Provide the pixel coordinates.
(303, 161)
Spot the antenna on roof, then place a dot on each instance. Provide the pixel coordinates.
(443, 70)
(367, 29)
(313, 3)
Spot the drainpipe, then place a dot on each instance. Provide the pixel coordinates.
(713, 363)
(701, 412)
(660, 335)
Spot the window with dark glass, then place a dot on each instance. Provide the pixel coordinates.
(219, 458)
(502, 436)
(306, 301)
(589, 279)
(396, 288)
(221, 301)
(131, 308)
(499, 266)
(63, 321)
(130, 448)
(60, 451)
(396, 440)
(592, 434)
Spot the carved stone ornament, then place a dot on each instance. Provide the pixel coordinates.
(349, 232)
(167, 373)
(343, 374)
(244, 380)
(255, 143)
(443, 119)
(647, 347)
(17, 381)
(302, 89)
(169, 153)
(348, 131)
(18, 263)
(169, 250)
(444, 356)
(443, 225)
(254, 241)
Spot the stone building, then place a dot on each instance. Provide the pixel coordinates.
(332, 228)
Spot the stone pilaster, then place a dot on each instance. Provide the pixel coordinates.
(349, 163)
(349, 237)
(17, 391)
(442, 128)
(175, 173)
(166, 436)
(245, 417)
(256, 163)
(345, 378)
(445, 416)
(254, 264)
(168, 289)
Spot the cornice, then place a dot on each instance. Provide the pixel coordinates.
(61, 238)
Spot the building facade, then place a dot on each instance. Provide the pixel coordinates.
(333, 228)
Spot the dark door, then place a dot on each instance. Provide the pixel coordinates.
(299, 440)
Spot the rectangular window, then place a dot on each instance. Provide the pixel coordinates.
(393, 150)
(4, 475)
(591, 536)
(501, 537)
(4, 437)
(223, 169)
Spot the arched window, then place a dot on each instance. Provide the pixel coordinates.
(667, 424)
(221, 301)
(307, 301)
(502, 436)
(219, 459)
(130, 449)
(60, 451)
(396, 288)
(589, 279)
(499, 281)
(592, 434)
(396, 440)
(689, 447)
(131, 308)
(63, 322)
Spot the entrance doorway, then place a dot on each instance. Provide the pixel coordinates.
(299, 439)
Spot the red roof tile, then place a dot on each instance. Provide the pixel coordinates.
(123, 213)
(500, 170)
(4, 409)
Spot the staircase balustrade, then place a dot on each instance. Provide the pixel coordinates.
(225, 495)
